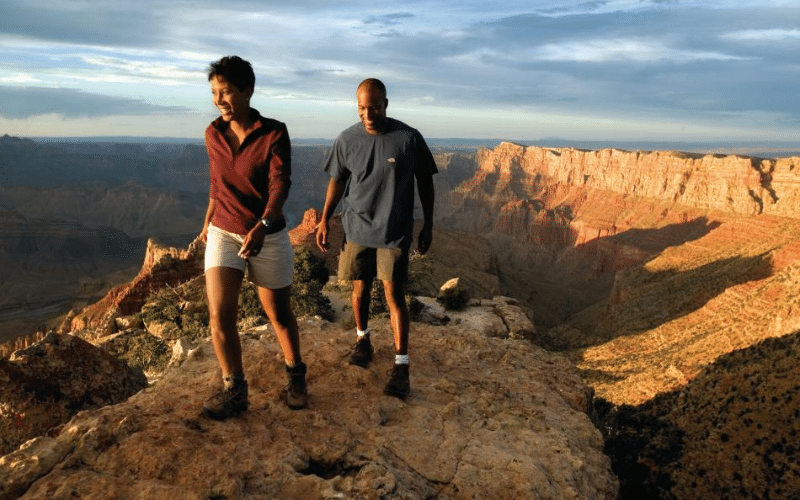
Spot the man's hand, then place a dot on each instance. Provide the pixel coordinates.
(322, 236)
(253, 242)
(424, 239)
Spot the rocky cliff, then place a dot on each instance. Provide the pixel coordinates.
(563, 221)
(44, 385)
(136, 210)
(48, 265)
(672, 281)
(487, 417)
(163, 267)
(669, 280)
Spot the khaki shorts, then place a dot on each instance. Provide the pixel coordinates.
(272, 268)
(357, 262)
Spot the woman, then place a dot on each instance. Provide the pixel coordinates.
(245, 230)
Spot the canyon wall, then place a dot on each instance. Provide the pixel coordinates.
(563, 221)
(75, 217)
(732, 184)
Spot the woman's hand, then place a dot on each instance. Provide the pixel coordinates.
(253, 241)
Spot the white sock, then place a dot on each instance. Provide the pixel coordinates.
(361, 333)
(229, 381)
(401, 359)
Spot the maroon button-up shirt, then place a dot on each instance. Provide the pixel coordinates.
(255, 181)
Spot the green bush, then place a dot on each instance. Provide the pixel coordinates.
(185, 307)
(144, 351)
(162, 307)
(310, 275)
(420, 268)
(249, 303)
(415, 307)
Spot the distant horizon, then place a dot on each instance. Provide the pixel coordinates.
(750, 147)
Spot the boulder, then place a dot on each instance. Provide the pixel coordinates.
(452, 295)
(514, 316)
(46, 384)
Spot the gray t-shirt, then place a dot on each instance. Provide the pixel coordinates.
(378, 201)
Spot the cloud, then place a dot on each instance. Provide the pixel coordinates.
(389, 19)
(574, 9)
(767, 35)
(620, 50)
(685, 59)
(101, 22)
(25, 102)
(114, 69)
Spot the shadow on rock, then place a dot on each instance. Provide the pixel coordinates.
(733, 432)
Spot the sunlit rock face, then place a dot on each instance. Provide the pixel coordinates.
(163, 266)
(486, 418)
(562, 222)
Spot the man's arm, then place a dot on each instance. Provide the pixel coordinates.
(332, 196)
(426, 197)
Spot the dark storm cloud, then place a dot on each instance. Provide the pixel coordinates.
(26, 102)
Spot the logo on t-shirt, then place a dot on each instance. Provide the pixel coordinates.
(391, 160)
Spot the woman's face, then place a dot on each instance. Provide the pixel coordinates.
(233, 104)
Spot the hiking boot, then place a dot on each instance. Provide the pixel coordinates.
(296, 391)
(398, 385)
(229, 402)
(361, 353)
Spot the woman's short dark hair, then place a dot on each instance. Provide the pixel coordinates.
(235, 70)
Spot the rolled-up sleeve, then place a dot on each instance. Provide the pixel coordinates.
(280, 171)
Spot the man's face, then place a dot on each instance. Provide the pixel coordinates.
(232, 103)
(372, 109)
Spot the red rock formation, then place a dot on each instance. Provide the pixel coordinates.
(163, 266)
(563, 221)
(20, 343)
(305, 234)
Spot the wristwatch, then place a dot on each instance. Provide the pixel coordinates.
(273, 225)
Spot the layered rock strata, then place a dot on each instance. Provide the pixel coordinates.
(562, 222)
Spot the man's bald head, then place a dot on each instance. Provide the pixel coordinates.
(372, 102)
(373, 85)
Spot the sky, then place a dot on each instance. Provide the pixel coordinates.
(513, 70)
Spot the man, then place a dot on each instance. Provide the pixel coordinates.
(373, 165)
